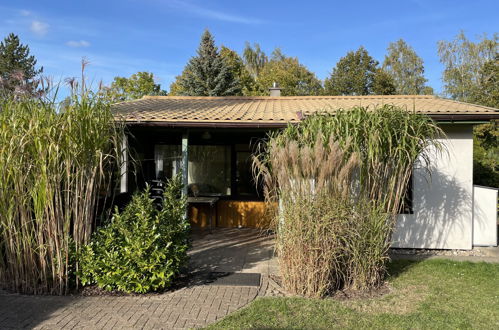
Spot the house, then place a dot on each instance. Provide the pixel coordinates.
(217, 135)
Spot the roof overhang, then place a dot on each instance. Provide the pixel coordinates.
(441, 118)
(464, 117)
(203, 124)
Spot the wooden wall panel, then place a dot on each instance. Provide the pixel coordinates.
(199, 215)
(232, 214)
(249, 214)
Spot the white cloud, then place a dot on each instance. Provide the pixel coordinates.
(24, 12)
(213, 14)
(39, 28)
(77, 44)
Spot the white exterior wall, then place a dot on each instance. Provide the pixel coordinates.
(442, 204)
(484, 216)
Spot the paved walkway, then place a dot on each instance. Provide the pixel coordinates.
(202, 303)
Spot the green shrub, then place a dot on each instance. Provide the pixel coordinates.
(142, 249)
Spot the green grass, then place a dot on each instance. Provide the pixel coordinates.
(430, 294)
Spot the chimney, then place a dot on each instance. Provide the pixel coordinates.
(275, 91)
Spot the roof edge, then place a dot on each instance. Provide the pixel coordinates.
(265, 124)
(264, 97)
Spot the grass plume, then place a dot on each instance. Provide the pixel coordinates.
(55, 166)
(338, 182)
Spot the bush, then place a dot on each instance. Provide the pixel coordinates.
(143, 248)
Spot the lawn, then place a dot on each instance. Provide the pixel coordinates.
(427, 294)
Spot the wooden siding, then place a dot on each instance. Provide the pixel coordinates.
(231, 214)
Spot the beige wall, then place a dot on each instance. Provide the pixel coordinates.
(484, 216)
(443, 203)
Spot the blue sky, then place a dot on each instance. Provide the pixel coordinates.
(123, 37)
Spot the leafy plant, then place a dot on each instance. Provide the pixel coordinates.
(143, 248)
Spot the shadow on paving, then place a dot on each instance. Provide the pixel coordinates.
(27, 311)
(226, 251)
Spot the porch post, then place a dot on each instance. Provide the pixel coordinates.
(124, 165)
(185, 161)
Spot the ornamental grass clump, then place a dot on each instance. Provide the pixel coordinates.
(55, 166)
(337, 183)
(142, 248)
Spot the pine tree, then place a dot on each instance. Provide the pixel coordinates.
(17, 66)
(207, 74)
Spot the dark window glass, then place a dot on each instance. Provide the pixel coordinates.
(244, 178)
(208, 172)
(407, 204)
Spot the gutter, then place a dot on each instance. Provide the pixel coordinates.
(442, 119)
(194, 124)
(462, 118)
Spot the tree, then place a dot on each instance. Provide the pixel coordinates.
(207, 74)
(175, 88)
(406, 68)
(353, 75)
(292, 76)
(17, 66)
(464, 61)
(383, 83)
(471, 75)
(134, 87)
(489, 83)
(254, 59)
(486, 136)
(239, 71)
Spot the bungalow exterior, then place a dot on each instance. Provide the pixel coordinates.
(212, 138)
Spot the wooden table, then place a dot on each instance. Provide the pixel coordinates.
(211, 201)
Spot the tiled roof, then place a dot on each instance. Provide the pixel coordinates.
(277, 111)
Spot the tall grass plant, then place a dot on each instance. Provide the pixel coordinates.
(55, 165)
(338, 182)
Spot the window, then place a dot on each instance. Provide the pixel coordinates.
(167, 161)
(209, 170)
(244, 178)
(407, 203)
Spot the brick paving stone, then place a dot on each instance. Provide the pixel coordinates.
(184, 311)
